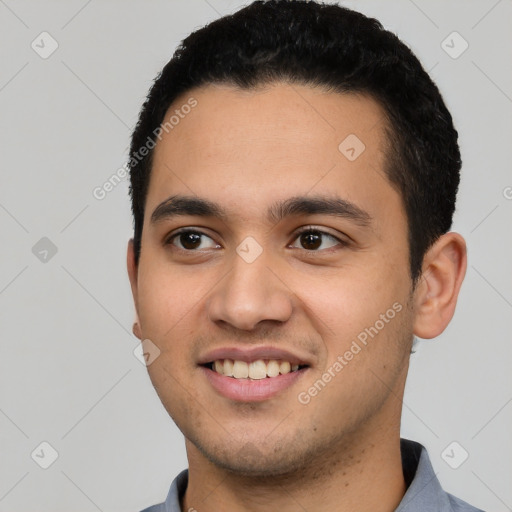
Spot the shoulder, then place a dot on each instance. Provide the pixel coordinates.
(155, 508)
(424, 491)
(459, 505)
(176, 492)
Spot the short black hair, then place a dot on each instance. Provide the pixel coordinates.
(320, 45)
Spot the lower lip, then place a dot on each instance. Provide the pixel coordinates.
(248, 390)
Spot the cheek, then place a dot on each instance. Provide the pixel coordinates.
(168, 309)
(164, 298)
(351, 299)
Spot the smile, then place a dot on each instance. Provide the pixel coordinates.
(252, 381)
(255, 370)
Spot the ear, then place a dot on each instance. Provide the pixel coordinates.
(133, 275)
(435, 297)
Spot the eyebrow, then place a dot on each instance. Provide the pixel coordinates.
(179, 205)
(312, 205)
(184, 205)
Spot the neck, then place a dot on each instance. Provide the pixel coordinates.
(363, 473)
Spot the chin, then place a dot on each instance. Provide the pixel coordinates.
(254, 461)
(258, 469)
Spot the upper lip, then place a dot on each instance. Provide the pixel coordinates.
(249, 354)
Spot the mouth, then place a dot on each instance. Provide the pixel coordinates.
(258, 369)
(252, 375)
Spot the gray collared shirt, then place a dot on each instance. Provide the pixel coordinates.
(424, 492)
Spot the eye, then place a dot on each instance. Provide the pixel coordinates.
(191, 240)
(312, 239)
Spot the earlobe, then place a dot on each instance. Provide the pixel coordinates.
(133, 275)
(136, 330)
(444, 267)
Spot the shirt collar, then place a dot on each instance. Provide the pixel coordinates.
(424, 492)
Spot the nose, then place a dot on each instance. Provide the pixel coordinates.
(249, 294)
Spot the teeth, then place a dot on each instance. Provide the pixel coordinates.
(256, 370)
(228, 367)
(272, 368)
(240, 370)
(219, 367)
(284, 367)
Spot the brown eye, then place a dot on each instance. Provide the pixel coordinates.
(189, 240)
(316, 240)
(311, 240)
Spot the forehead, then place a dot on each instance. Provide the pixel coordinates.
(241, 147)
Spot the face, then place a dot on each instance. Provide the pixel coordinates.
(273, 241)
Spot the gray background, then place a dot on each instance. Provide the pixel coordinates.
(68, 375)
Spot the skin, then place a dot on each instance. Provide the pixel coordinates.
(245, 150)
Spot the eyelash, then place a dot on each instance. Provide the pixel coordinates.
(312, 229)
(297, 234)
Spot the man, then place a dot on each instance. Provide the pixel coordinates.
(293, 180)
